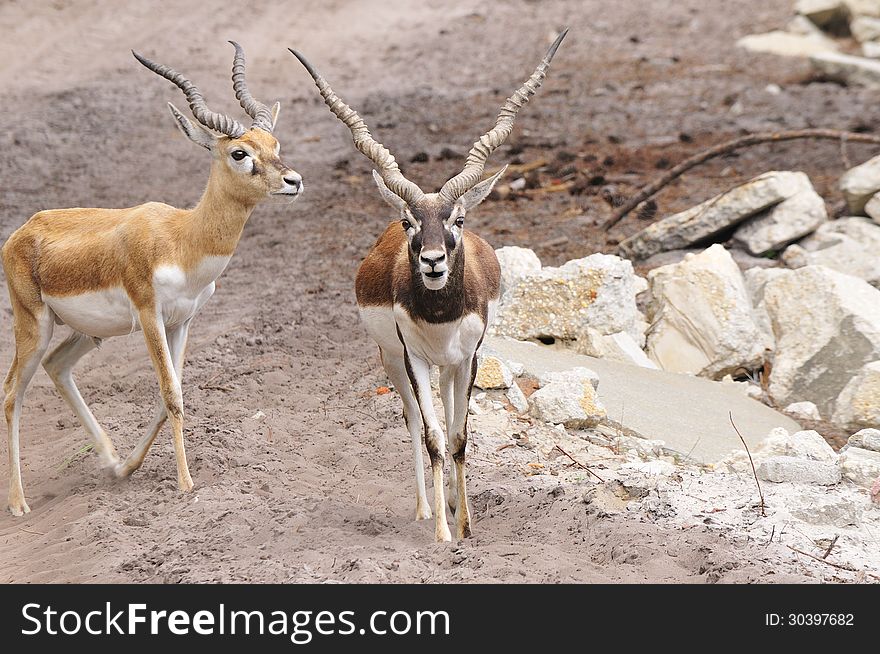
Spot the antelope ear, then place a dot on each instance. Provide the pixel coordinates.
(276, 109)
(478, 192)
(388, 195)
(195, 133)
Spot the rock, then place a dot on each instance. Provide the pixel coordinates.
(689, 414)
(827, 327)
(800, 24)
(517, 398)
(809, 444)
(848, 68)
(598, 291)
(516, 263)
(847, 245)
(823, 13)
(716, 215)
(872, 208)
(859, 183)
(787, 44)
(858, 404)
(863, 7)
(702, 317)
(866, 439)
(871, 49)
(803, 411)
(819, 507)
(865, 28)
(779, 469)
(616, 347)
(572, 376)
(492, 372)
(783, 223)
(573, 404)
(862, 467)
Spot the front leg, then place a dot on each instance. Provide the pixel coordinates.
(419, 372)
(458, 437)
(169, 387)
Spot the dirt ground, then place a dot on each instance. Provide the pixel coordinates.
(302, 472)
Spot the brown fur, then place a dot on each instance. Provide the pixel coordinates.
(385, 273)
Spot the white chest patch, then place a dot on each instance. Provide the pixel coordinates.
(440, 344)
(109, 312)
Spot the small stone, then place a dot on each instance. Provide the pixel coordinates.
(779, 469)
(573, 375)
(858, 404)
(809, 444)
(861, 182)
(517, 398)
(803, 411)
(848, 68)
(862, 467)
(492, 373)
(866, 439)
(573, 404)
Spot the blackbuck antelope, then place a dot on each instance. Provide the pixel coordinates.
(428, 290)
(110, 272)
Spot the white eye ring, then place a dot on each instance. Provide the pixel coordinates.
(243, 154)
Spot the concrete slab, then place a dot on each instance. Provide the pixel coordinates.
(688, 413)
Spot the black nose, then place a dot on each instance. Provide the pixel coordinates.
(433, 261)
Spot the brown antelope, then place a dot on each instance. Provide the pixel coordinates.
(110, 272)
(428, 290)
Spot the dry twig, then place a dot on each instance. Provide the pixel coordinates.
(832, 564)
(675, 172)
(754, 472)
(579, 464)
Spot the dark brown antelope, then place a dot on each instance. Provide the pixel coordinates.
(427, 291)
(110, 272)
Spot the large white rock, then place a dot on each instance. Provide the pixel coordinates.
(859, 183)
(619, 346)
(822, 12)
(598, 291)
(794, 470)
(827, 327)
(872, 207)
(806, 444)
(516, 263)
(848, 68)
(860, 7)
(702, 317)
(809, 444)
(858, 404)
(787, 44)
(803, 411)
(867, 439)
(783, 223)
(706, 220)
(573, 404)
(575, 375)
(865, 28)
(862, 467)
(847, 245)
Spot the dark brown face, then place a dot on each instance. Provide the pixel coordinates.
(433, 228)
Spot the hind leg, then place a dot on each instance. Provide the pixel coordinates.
(59, 366)
(33, 326)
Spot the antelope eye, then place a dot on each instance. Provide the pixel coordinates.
(238, 155)
(459, 221)
(406, 225)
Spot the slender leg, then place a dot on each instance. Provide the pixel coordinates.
(396, 370)
(447, 396)
(59, 366)
(177, 338)
(169, 387)
(419, 373)
(464, 382)
(33, 331)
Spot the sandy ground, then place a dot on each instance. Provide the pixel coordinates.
(302, 472)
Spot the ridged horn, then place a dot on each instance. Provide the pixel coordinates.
(363, 140)
(212, 120)
(476, 160)
(261, 114)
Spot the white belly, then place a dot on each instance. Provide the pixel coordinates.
(440, 344)
(109, 312)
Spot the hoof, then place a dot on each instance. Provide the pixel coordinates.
(18, 509)
(443, 535)
(463, 532)
(185, 484)
(123, 471)
(423, 512)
